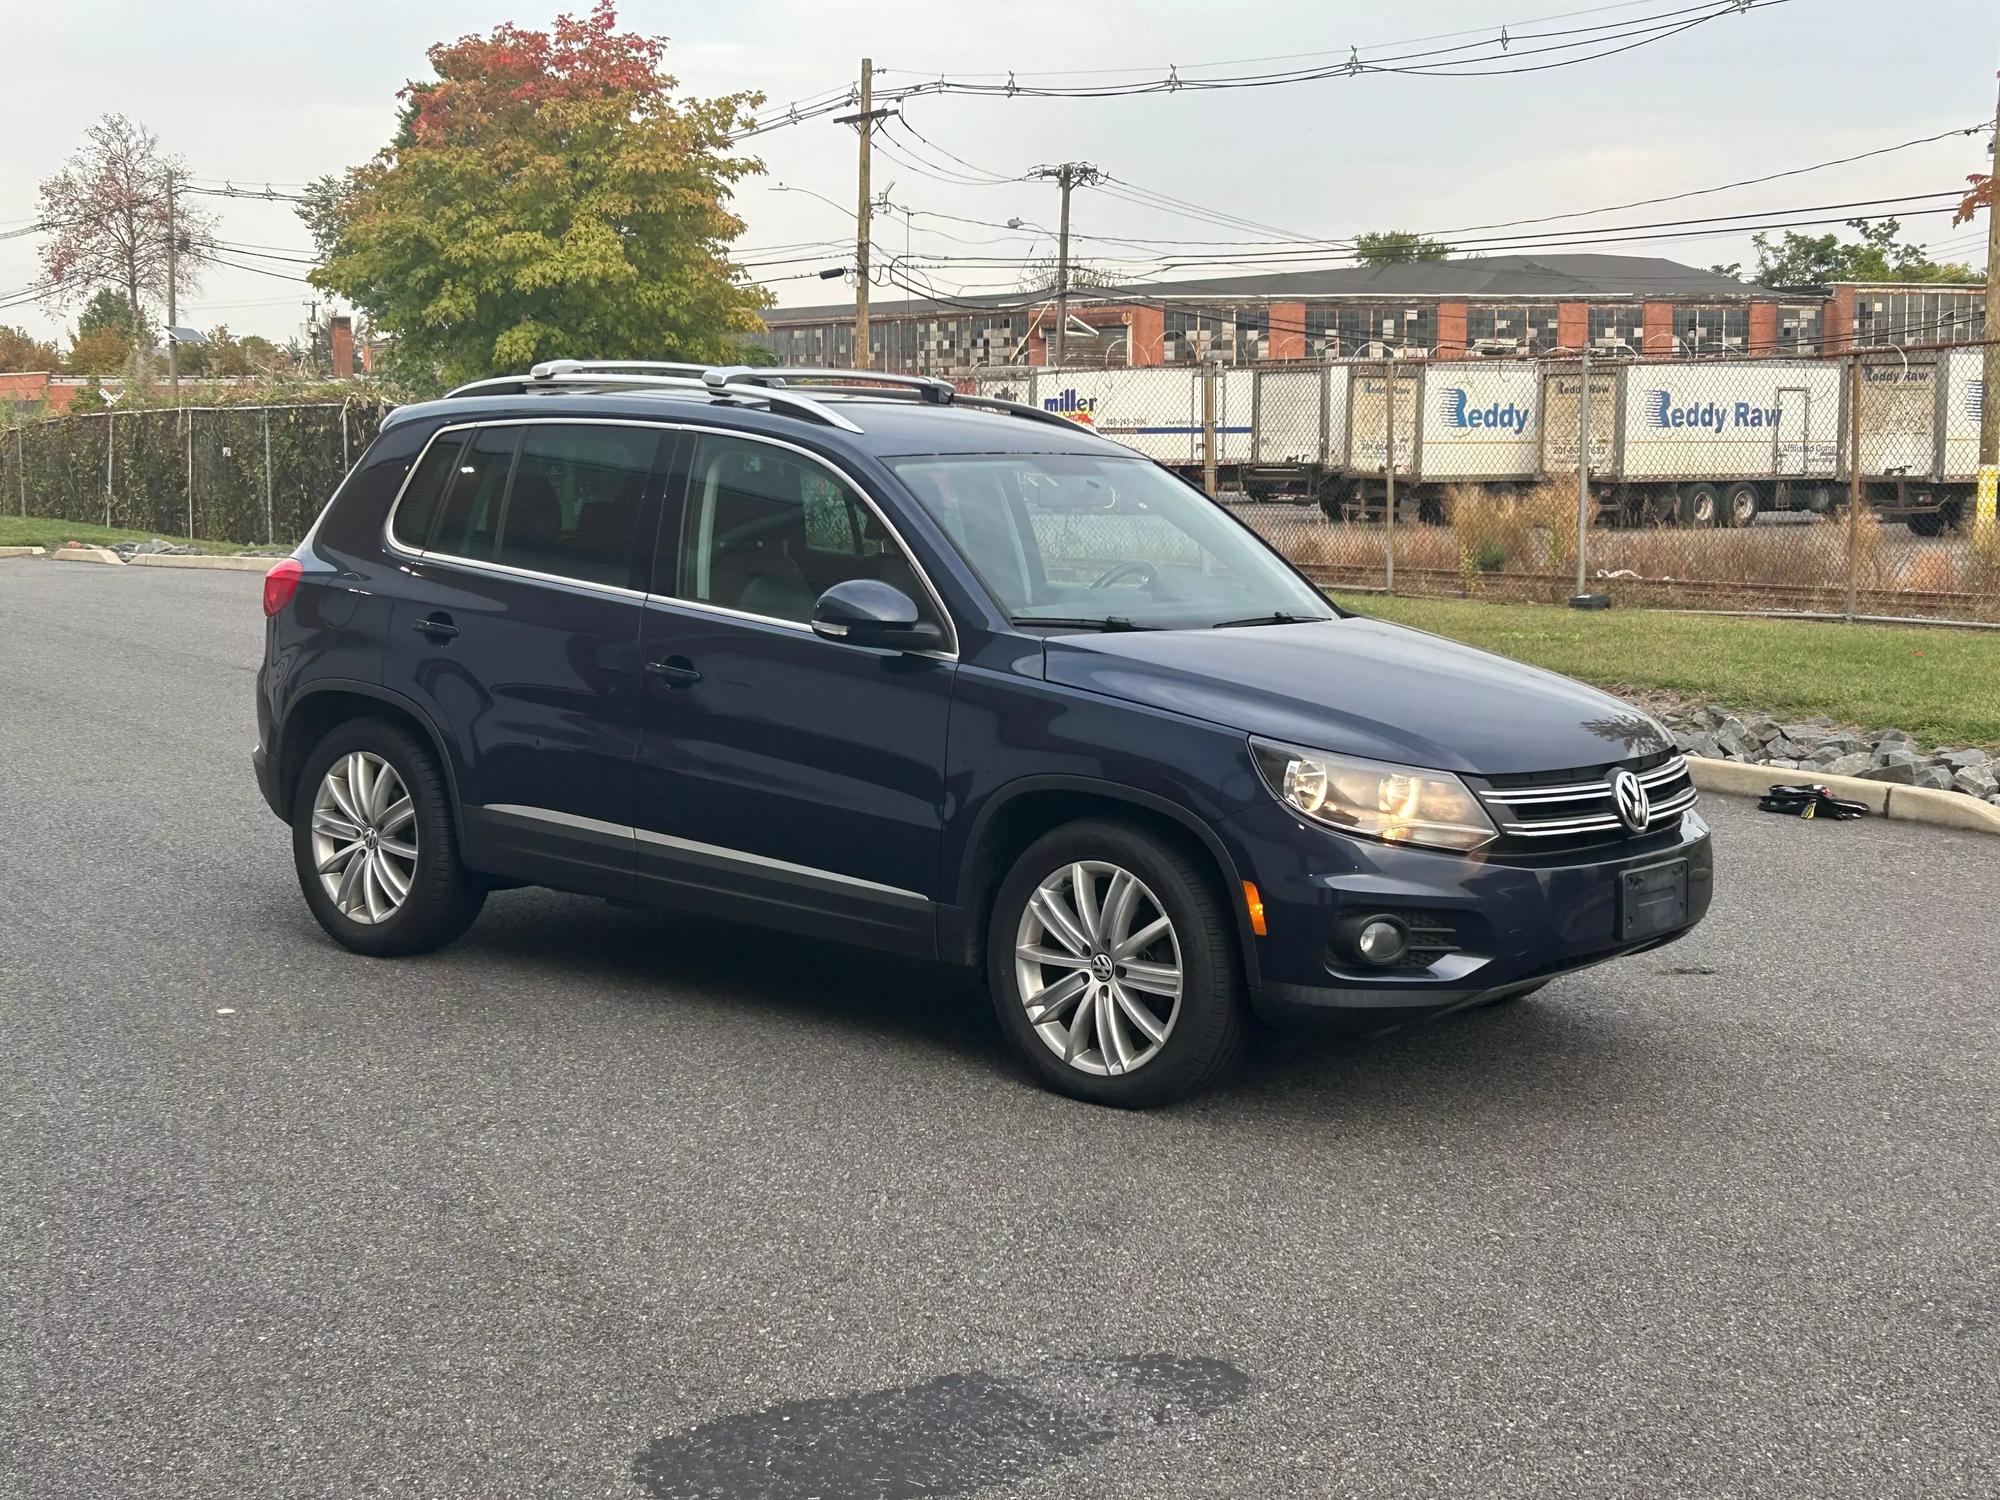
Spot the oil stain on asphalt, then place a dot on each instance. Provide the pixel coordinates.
(943, 1436)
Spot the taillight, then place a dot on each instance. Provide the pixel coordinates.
(280, 584)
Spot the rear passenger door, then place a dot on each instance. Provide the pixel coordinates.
(518, 632)
(793, 780)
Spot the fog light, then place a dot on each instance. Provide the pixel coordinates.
(1381, 940)
(1378, 939)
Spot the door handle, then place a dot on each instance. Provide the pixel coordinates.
(676, 671)
(437, 627)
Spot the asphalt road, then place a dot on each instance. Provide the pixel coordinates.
(601, 1203)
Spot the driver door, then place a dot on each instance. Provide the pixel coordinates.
(793, 780)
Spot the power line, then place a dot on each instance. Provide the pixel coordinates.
(1610, 39)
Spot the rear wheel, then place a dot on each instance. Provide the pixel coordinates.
(373, 841)
(1930, 523)
(1701, 505)
(1740, 503)
(1113, 967)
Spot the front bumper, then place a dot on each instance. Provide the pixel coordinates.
(1516, 924)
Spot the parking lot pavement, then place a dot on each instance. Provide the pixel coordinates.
(607, 1203)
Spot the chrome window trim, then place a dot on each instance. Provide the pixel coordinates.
(478, 565)
(861, 490)
(717, 852)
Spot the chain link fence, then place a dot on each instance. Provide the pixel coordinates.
(1843, 486)
(219, 474)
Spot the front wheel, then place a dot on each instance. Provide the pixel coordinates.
(1113, 967)
(374, 844)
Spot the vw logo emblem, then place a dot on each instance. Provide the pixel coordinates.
(1100, 966)
(1635, 808)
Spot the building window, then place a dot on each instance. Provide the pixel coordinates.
(1391, 327)
(1798, 328)
(1723, 329)
(1502, 330)
(1618, 328)
(1942, 317)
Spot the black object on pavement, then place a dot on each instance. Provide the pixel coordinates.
(1806, 800)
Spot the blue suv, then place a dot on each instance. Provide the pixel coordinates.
(861, 657)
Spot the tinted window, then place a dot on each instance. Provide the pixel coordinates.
(419, 505)
(573, 509)
(472, 504)
(768, 532)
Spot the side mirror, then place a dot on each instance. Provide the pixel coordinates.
(868, 612)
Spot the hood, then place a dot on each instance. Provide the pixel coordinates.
(1362, 687)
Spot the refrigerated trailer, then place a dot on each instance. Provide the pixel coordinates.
(1695, 442)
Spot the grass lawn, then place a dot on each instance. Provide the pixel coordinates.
(39, 531)
(1943, 686)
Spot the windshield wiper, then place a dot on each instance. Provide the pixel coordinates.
(1084, 622)
(1276, 617)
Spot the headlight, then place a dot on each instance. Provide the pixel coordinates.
(1397, 804)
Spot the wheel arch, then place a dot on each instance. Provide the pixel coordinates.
(325, 705)
(1024, 810)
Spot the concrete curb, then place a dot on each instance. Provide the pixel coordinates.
(89, 555)
(1906, 804)
(23, 551)
(231, 564)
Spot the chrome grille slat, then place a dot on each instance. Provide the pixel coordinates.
(1679, 802)
(1586, 790)
(1584, 812)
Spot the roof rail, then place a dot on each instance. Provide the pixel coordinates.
(930, 388)
(774, 386)
(773, 396)
(550, 367)
(1020, 409)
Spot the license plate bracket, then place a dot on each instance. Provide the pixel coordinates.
(1652, 899)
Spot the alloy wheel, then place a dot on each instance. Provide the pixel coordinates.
(364, 837)
(1098, 966)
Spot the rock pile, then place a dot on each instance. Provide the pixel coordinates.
(1819, 747)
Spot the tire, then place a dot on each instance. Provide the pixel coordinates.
(1741, 503)
(1202, 1029)
(441, 898)
(1926, 524)
(1700, 506)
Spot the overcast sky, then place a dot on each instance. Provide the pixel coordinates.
(280, 93)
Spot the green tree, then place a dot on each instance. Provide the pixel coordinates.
(1877, 255)
(546, 195)
(1397, 247)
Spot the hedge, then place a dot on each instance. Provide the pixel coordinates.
(57, 467)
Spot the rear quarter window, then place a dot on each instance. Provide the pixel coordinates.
(419, 506)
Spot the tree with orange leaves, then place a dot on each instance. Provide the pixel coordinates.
(546, 195)
(1980, 197)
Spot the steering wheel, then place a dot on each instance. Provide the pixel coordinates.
(1130, 566)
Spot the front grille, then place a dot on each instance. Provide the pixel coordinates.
(1556, 812)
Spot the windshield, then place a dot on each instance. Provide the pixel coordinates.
(1104, 542)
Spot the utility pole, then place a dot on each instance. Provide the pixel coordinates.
(864, 123)
(1988, 494)
(1068, 175)
(173, 269)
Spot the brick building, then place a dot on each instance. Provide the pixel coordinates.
(1503, 304)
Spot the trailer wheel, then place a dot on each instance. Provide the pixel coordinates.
(1741, 502)
(1929, 523)
(1700, 505)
